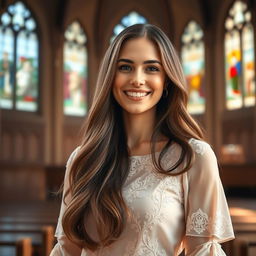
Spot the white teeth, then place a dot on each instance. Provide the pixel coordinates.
(137, 94)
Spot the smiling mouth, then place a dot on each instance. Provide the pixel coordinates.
(136, 94)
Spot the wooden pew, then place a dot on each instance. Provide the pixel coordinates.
(244, 247)
(238, 247)
(48, 240)
(42, 238)
(23, 246)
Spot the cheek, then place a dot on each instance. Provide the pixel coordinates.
(116, 87)
(118, 81)
(158, 84)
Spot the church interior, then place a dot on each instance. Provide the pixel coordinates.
(50, 52)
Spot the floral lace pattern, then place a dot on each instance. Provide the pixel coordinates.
(200, 147)
(198, 221)
(154, 189)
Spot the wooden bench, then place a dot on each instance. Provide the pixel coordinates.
(23, 247)
(245, 247)
(42, 238)
(238, 247)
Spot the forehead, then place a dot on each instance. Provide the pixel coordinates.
(140, 48)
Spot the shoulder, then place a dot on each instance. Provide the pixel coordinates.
(201, 149)
(205, 161)
(71, 160)
(72, 156)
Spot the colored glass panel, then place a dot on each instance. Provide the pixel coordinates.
(192, 56)
(248, 66)
(27, 72)
(6, 68)
(233, 70)
(75, 71)
(239, 57)
(19, 74)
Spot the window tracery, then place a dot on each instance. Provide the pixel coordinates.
(19, 59)
(128, 20)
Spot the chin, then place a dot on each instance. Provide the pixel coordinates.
(138, 111)
(134, 112)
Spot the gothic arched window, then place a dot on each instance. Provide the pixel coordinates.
(131, 19)
(193, 62)
(239, 57)
(75, 71)
(19, 59)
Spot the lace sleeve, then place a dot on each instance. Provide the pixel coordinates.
(206, 210)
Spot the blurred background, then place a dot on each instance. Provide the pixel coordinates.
(50, 51)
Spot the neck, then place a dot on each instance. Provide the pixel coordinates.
(139, 128)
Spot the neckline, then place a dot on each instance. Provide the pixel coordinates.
(146, 155)
(149, 155)
(141, 156)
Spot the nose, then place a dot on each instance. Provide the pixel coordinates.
(138, 78)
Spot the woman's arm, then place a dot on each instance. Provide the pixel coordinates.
(64, 246)
(208, 220)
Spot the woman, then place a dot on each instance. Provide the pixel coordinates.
(142, 182)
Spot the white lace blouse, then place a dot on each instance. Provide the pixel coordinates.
(169, 213)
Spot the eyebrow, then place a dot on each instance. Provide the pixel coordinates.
(145, 62)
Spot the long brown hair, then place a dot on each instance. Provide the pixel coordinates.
(100, 169)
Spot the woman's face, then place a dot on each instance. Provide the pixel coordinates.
(139, 79)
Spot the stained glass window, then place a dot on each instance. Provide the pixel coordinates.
(193, 62)
(131, 19)
(239, 57)
(19, 57)
(75, 71)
